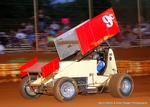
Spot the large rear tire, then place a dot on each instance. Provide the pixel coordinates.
(65, 89)
(121, 85)
(25, 90)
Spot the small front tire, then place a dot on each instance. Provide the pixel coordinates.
(121, 85)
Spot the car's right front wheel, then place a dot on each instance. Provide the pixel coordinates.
(121, 85)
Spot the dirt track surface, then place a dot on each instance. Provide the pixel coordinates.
(10, 97)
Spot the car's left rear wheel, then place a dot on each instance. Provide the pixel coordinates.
(26, 90)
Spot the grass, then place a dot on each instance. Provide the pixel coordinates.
(22, 60)
(18, 60)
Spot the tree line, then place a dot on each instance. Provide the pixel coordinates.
(77, 11)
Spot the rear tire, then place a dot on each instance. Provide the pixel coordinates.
(65, 89)
(25, 90)
(121, 85)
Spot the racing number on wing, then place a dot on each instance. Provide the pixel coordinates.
(107, 19)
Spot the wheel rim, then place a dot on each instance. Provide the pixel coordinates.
(126, 86)
(29, 90)
(67, 89)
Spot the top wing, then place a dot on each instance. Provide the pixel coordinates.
(97, 30)
(87, 35)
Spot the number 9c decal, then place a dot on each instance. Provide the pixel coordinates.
(108, 20)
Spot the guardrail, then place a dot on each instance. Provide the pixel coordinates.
(25, 48)
(133, 67)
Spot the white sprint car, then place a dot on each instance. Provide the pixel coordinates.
(92, 70)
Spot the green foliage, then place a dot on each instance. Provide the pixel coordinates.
(100, 6)
(12, 12)
(127, 10)
(78, 10)
(14, 8)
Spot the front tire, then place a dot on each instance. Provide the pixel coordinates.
(25, 90)
(65, 89)
(121, 85)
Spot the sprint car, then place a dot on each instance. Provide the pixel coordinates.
(77, 70)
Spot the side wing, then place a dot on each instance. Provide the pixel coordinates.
(67, 43)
